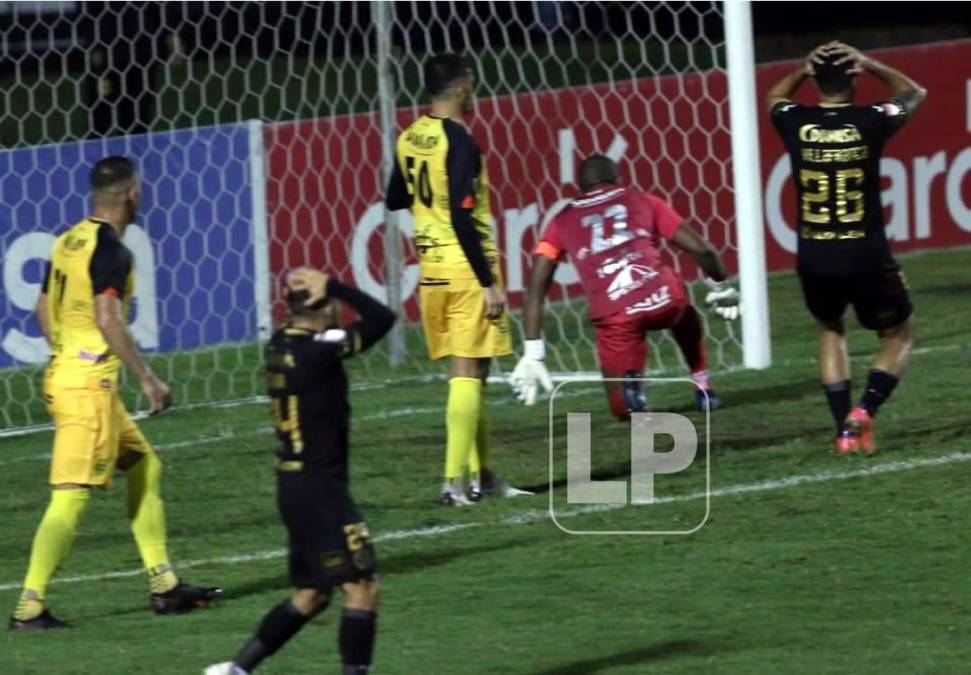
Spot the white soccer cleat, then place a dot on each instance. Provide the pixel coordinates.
(530, 373)
(226, 668)
(454, 496)
(723, 299)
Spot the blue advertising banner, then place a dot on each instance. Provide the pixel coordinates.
(192, 240)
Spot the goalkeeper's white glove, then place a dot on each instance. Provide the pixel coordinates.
(723, 299)
(530, 373)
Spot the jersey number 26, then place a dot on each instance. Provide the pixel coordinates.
(816, 194)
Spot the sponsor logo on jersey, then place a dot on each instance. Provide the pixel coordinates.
(421, 141)
(813, 133)
(85, 355)
(655, 301)
(627, 276)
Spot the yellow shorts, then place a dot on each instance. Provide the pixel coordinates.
(453, 316)
(92, 430)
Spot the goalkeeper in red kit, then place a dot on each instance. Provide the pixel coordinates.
(612, 235)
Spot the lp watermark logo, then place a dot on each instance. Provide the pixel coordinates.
(616, 472)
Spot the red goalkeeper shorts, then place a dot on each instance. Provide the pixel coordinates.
(622, 337)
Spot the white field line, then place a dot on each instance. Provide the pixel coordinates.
(536, 515)
(398, 412)
(267, 430)
(499, 379)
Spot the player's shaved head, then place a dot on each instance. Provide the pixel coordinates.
(112, 176)
(597, 170)
(444, 71)
(114, 186)
(833, 78)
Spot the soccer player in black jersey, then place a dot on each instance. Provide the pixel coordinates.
(329, 541)
(843, 256)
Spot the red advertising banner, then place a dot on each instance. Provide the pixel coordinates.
(672, 137)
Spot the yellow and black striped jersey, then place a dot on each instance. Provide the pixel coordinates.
(439, 173)
(87, 260)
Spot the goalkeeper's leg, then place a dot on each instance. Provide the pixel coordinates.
(688, 334)
(461, 425)
(479, 457)
(622, 351)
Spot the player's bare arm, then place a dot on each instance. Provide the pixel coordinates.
(111, 323)
(40, 311)
(722, 297)
(786, 88)
(540, 278)
(531, 373)
(902, 88)
(704, 254)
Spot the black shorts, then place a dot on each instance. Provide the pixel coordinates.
(330, 543)
(880, 299)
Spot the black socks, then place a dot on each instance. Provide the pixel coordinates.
(879, 385)
(838, 397)
(357, 640)
(279, 625)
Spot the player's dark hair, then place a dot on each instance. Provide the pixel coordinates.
(442, 71)
(111, 172)
(296, 303)
(596, 170)
(832, 78)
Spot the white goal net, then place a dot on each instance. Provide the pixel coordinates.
(263, 131)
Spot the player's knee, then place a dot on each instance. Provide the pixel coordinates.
(902, 334)
(363, 594)
(149, 460)
(310, 601)
(835, 328)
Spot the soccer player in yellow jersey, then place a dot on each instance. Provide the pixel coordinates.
(440, 174)
(81, 310)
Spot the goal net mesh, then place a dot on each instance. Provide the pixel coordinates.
(261, 131)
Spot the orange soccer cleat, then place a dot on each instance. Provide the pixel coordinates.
(846, 443)
(860, 424)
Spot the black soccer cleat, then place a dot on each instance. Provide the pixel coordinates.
(635, 397)
(43, 621)
(474, 493)
(184, 598)
(709, 403)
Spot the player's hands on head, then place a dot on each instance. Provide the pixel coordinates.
(853, 58)
(723, 299)
(158, 393)
(816, 57)
(310, 280)
(531, 373)
(495, 301)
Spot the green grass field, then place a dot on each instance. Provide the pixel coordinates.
(807, 564)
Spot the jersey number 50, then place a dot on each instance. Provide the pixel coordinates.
(815, 196)
(424, 187)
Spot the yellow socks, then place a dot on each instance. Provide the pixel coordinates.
(53, 540)
(480, 456)
(461, 422)
(147, 516)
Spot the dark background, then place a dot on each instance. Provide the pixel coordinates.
(115, 50)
